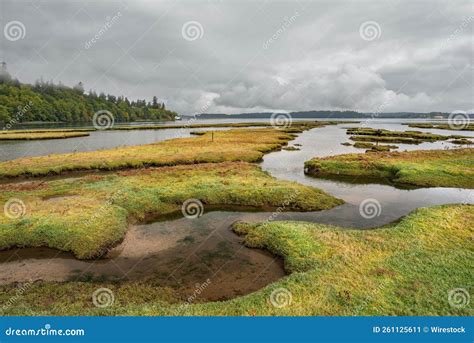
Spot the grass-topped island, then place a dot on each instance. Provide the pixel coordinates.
(406, 268)
(423, 168)
(27, 136)
(248, 145)
(90, 214)
(85, 204)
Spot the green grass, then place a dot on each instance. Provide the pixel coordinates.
(373, 147)
(291, 148)
(406, 268)
(424, 168)
(248, 145)
(6, 136)
(462, 141)
(296, 126)
(378, 148)
(467, 127)
(405, 137)
(425, 136)
(88, 215)
(403, 140)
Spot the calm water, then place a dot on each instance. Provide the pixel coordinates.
(99, 140)
(181, 252)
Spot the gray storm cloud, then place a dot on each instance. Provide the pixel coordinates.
(252, 56)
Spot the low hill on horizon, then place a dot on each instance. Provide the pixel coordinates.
(328, 115)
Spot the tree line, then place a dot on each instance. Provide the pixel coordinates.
(46, 101)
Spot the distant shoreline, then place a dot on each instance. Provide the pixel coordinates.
(327, 115)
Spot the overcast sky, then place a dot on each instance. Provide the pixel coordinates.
(220, 56)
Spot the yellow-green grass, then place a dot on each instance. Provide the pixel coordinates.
(384, 139)
(40, 135)
(89, 214)
(405, 137)
(5, 132)
(424, 136)
(248, 145)
(408, 268)
(462, 141)
(424, 168)
(466, 127)
(296, 125)
(378, 148)
(368, 145)
(291, 148)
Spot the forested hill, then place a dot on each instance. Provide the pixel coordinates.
(45, 101)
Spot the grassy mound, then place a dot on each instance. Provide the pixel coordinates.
(374, 147)
(424, 168)
(40, 135)
(88, 215)
(405, 137)
(295, 126)
(247, 145)
(408, 268)
(466, 127)
(462, 141)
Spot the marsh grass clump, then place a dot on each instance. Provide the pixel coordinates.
(423, 168)
(462, 141)
(90, 214)
(363, 145)
(9, 136)
(382, 135)
(379, 148)
(297, 126)
(247, 145)
(374, 147)
(467, 127)
(377, 139)
(398, 269)
(291, 148)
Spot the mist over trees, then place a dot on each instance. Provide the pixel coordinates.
(46, 101)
